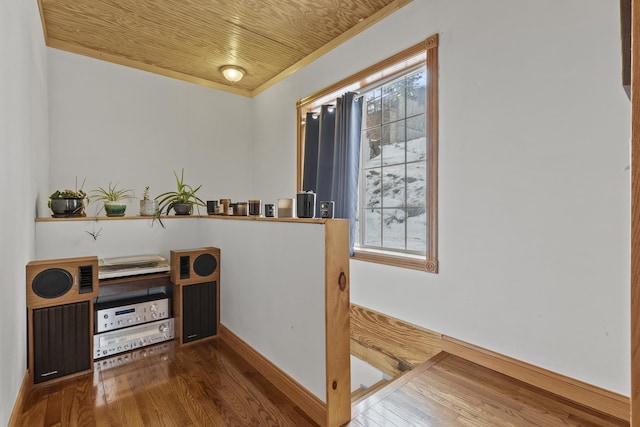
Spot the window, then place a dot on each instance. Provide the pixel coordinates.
(397, 206)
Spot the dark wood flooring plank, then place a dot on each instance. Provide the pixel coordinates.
(260, 386)
(119, 394)
(54, 402)
(185, 396)
(245, 394)
(36, 400)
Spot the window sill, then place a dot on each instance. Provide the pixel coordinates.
(396, 260)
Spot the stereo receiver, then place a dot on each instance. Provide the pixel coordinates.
(123, 313)
(131, 338)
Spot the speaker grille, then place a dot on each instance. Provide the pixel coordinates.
(185, 267)
(199, 311)
(85, 279)
(52, 283)
(61, 341)
(204, 265)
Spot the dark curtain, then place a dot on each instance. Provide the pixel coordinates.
(311, 138)
(332, 155)
(326, 144)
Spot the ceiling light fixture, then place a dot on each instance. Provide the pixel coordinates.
(232, 73)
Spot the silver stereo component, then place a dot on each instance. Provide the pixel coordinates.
(151, 354)
(131, 311)
(134, 337)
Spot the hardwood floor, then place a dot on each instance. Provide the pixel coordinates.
(204, 384)
(208, 384)
(450, 391)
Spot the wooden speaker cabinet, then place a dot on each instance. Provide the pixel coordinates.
(60, 294)
(195, 274)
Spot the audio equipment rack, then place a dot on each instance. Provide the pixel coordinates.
(65, 292)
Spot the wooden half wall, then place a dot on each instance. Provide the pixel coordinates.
(284, 291)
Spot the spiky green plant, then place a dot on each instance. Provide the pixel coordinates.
(112, 193)
(184, 193)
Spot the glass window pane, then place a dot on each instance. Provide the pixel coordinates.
(371, 147)
(393, 145)
(417, 229)
(416, 138)
(393, 101)
(373, 221)
(393, 188)
(416, 185)
(372, 109)
(393, 236)
(372, 188)
(417, 93)
(393, 205)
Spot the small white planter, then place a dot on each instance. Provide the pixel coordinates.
(148, 207)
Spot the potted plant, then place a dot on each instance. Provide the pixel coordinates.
(181, 200)
(68, 203)
(115, 200)
(148, 206)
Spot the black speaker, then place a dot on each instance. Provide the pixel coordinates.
(52, 283)
(61, 281)
(205, 265)
(190, 266)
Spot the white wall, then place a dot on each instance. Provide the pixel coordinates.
(23, 165)
(533, 180)
(274, 141)
(114, 238)
(113, 123)
(272, 292)
(272, 277)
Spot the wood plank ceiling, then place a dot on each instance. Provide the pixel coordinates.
(191, 39)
